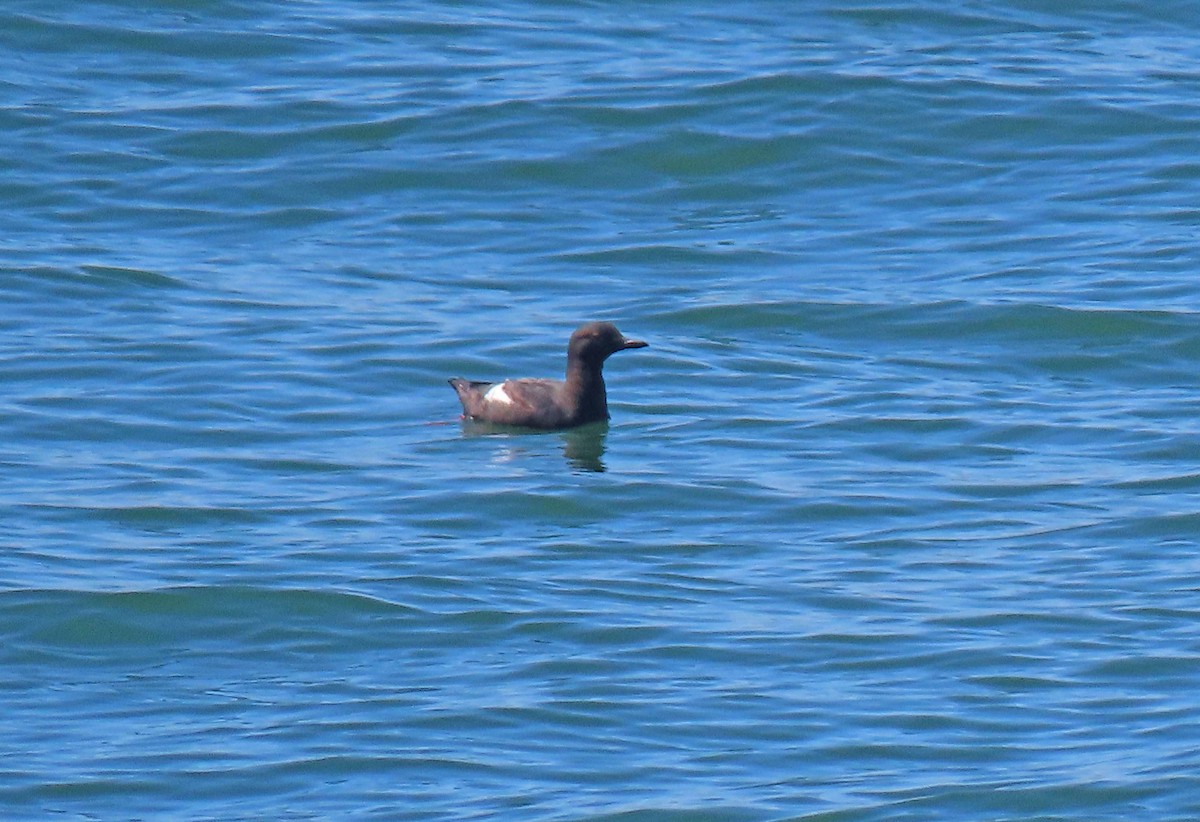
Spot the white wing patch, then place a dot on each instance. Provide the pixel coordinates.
(498, 395)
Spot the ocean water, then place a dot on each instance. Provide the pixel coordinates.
(897, 518)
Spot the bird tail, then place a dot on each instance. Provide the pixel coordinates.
(468, 394)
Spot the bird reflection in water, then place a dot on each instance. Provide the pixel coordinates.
(583, 447)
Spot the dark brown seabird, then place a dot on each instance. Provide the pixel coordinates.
(537, 403)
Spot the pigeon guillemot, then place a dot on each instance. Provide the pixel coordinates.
(536, 403)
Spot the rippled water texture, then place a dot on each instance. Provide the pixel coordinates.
(895, 519)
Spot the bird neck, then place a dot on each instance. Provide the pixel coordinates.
(586, 382)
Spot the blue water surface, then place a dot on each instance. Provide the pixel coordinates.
(896, 518)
